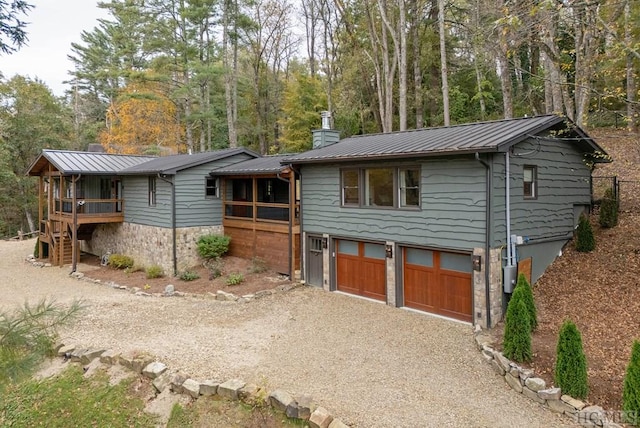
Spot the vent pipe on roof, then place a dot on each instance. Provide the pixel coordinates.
(95, 148)
(326, 119)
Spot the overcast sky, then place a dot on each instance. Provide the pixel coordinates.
(53, 26)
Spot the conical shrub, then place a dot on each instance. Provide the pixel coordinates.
(527, 298)
(571, 363)
(516, 342)
(631, 389)
(608, 216)
(585, 241)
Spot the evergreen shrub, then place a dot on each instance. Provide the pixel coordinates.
(585, 240)
(213, 246)
(571, 363)
(608, 216)
(527, 298)
(517, 330)
(631, 389)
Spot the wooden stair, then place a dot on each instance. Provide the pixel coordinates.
(66, 248)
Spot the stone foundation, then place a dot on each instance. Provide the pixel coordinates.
(149, 245)
(495, 288)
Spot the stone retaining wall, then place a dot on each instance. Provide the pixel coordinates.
(149, 245)
(524, 381)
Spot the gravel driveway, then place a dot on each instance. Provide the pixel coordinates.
(371, 365)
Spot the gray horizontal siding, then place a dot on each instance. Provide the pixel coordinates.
(563, 181)
(137, 209)
(192, 208)
(451, 216)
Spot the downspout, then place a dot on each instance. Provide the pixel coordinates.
(74, 244)
(291, 214)
(507, 195)
(296, 172)
(487, 238)
(173, 222)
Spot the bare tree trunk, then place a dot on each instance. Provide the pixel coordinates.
(230, 64)
(417, 72)
(505, 81)
(32, 226)
(443, 64)
(633, 109)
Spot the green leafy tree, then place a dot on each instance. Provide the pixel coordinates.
(527, 298)
(28, 335)
(608, 216)
(31, 119)
(585, 240)
(571, 363)
(517, 331)
(631, 389)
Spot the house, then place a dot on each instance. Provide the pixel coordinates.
(152, 209)
(441, 220)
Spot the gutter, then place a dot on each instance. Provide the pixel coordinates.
(487, 261)
(173, 222)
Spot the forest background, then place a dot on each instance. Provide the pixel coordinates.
(177, 76)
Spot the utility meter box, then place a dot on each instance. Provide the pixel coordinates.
(509, 278)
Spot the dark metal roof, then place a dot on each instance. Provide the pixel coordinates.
(175, 163)
(492, 136)
(73, 162)
(261, 165)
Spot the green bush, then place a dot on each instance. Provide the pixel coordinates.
(120, 261)
(571, 363)
(213, 246)
(189, 275)
(631, 389)
(517, 331)
(235, 279)
(527, 298)
(258, 265)
(154, 271)
(608, 216)
(585, 241)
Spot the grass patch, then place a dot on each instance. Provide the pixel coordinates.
(70, 398)
(218, 412)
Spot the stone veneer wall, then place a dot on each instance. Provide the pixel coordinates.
(149, 245)
(495, 288)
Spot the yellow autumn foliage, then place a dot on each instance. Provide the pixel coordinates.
(142, 120)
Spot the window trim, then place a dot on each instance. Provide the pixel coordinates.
(396, 188)
(153, 189)
(215, 187)
(533, 189)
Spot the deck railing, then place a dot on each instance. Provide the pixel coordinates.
(88, 206)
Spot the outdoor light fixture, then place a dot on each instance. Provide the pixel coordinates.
(388, 251)
(325, 243)
(476, 262)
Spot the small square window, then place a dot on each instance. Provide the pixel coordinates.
(530, 179)
(211, 188)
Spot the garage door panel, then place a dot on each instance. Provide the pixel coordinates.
(429, 287)
(361, 269)
(456, 296)
(418, 294)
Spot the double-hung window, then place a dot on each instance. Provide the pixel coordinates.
(530, 179)
(350, 187)
(409, 187)
(379, 187)
(211, 188)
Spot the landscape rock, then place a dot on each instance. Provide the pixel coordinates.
(77, 354)
(169, 290)
(591, 416)
(320, 418)
(109, 357)
(154, 369)
(560, 407)
(503, 361)
(191, 387)
(280, 400)
(513, 382)
(225, 297)
(535, 384)
(209, 387)
(337, 423)
(532, 395)
(162, 382)
(262, 293)
(497, 367)
(230, 389)
(550, 394)
(248, 392)
(90, 355)
(576, 404)
(77, 275)
(305, 406)
(176, 382)
(65, 351)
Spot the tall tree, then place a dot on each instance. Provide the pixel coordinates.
(13, 34)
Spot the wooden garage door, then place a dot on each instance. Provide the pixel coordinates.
(438, 282)
(361, 269)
